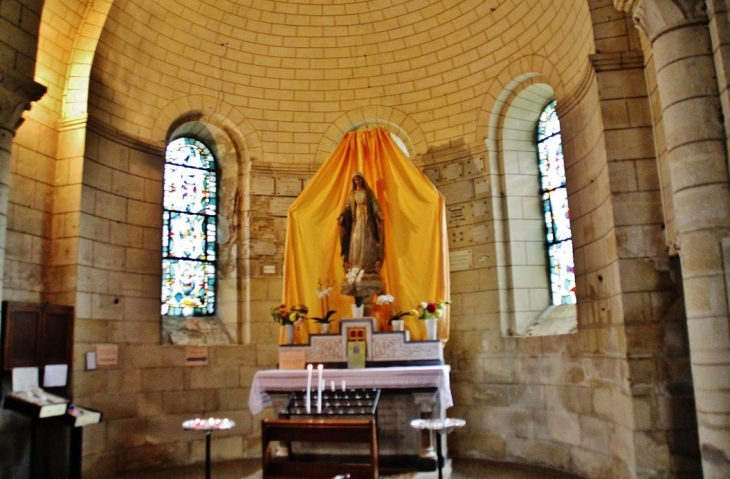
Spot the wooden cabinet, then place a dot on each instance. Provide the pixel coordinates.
(35, 335)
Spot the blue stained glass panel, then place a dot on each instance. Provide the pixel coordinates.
(549, 124)
(189, 190)
(562, 272)
(556, 211)
(187, 236)
(552, 166)
(189, 152)
(189, 230)
(188, 288)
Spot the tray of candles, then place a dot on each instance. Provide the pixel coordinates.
(350, 402)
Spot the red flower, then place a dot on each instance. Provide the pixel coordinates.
(431, 308)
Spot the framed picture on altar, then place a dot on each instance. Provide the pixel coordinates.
(358, 330)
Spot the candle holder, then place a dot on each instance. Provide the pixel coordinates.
(353, 402)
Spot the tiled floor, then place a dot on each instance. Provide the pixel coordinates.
(463, 469)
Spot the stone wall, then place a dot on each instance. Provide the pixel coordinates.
(147, 396)
(615, 399)
(274, 188)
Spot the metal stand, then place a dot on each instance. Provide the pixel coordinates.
(439, 456)
(207, 455)
(207, 426)
(438, 427)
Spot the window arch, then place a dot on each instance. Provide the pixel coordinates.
(556, 212)
(189, 229)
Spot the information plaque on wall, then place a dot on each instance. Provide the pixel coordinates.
(460, 260)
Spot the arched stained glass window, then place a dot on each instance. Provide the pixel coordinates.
(189, 230)
(555, 207)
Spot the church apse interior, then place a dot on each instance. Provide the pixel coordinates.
(620, 368)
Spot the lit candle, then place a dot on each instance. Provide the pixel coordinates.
(309, 388)
(319, 395)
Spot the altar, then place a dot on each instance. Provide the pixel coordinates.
(364, 303)
(435, 378)
(408, 392)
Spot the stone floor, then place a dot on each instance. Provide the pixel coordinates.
(462, 469)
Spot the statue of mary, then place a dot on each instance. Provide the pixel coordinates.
(361, 239)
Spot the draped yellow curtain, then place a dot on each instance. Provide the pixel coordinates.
(415, 267)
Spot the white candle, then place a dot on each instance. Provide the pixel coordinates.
(332, 385)
(309, 388)
(319, 396)
(344, 388)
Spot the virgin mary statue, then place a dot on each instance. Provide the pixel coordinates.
(361, 240)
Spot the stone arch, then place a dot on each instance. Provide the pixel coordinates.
(394, 120)
(76, 90)
(514, 74)
(235, 145)
(510, 136)
(212, 112)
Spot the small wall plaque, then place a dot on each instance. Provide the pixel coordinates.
(292, 359)
(107, 354)
(479, 233)
(457, 213)
(480, 208)
(453, 171)
(196, 356)
(460, 260)
(475, 166)
(481, 186)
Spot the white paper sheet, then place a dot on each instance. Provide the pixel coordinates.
(55, 375)
(24, 378)
(90, 361)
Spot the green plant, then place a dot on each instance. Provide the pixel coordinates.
(431, 310)
(282, 315)
(399, 315)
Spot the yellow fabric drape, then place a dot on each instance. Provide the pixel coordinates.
(415, 267)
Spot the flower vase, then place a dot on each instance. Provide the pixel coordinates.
(324, 328)
(288, 333)
(398, 324)
(357, 311)
(431, 328)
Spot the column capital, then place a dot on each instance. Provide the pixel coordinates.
(655, 17)
(16, 94)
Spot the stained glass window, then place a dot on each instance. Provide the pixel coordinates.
(555, 207)
(189, 230)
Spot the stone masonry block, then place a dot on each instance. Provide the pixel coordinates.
(212, 377)
(122, 433)
(162, 379)
(563, 427)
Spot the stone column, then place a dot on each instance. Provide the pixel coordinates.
(697, 160)
(16, 94)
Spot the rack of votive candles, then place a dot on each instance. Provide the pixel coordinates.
(334, 403)
(209, 424)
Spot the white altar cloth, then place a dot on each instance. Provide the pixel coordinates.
(385, 378)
